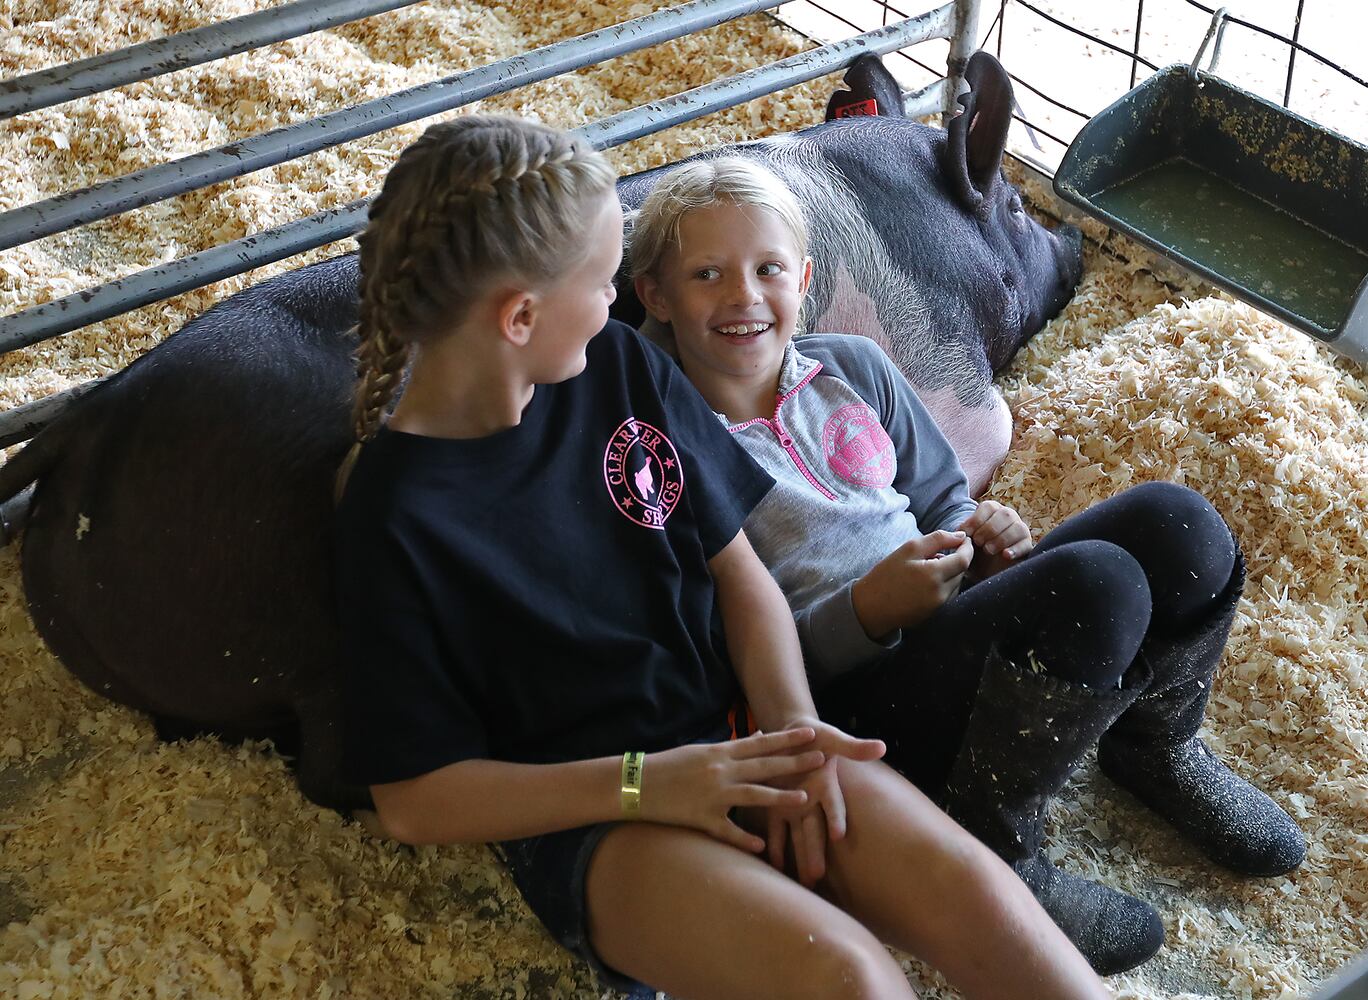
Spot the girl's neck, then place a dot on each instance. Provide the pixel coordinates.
(451, 394)
(738, 399)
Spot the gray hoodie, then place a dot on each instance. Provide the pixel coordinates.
(860, 468)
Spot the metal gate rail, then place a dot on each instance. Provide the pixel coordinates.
(146, 60)
(166, 180)
(955, 21)
(91, 305)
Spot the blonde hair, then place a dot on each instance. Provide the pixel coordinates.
(733, 180)
(474, 200)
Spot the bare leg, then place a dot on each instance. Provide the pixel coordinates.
(919, 881)
(699, 919)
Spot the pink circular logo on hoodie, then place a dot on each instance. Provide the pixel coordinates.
(857, 447)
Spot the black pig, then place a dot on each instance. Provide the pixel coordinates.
(176, 555)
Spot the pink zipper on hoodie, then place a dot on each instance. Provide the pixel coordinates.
(785, 439)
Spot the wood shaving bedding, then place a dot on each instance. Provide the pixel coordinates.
(132, 868)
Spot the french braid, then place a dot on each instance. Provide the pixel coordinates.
(473, 200)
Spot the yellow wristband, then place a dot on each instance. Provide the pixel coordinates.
(632, 763)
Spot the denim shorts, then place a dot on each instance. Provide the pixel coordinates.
(549, 871)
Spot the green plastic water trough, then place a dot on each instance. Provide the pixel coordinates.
(1254, 198)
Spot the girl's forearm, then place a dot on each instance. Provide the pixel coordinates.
(769, 661)
(761, 638)
(872, 609)
(474, 801)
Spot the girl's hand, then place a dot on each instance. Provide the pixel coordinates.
(698, 785)
(1000, 538)
(808, 827)
(911, 582)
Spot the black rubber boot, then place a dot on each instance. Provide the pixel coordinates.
(1025, 736)
(1153, 751)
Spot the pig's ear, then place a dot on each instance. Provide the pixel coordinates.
(873, 91)
(978, 134)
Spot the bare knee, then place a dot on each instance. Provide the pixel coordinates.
(840, 966)
(974, 881)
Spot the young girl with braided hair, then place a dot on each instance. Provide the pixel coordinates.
(550, 614)
(987, 695)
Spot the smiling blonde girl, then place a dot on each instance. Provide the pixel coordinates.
(928, 619)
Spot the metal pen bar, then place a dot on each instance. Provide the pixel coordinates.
(963, 42)
(927, 101)
(24, 421)
(64, 83)
(841, 19)
(155, 284)
(166, 180)
(267, 246)
(649, 118)
(38, 323)
(959, 29)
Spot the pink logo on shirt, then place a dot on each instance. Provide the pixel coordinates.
(857, 447)
(642, 470)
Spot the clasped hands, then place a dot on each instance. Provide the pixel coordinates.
(784, 782)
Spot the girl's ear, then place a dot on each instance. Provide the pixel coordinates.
(515, 312)
(806, 281)
(648, 291)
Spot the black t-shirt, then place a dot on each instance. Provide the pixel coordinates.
(542, 594)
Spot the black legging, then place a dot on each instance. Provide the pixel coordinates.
(1151, 560)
